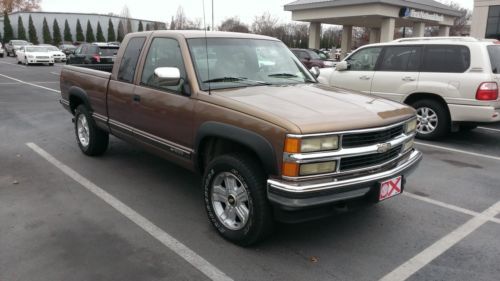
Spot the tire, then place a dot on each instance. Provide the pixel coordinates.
(97, 140)
(51, 64)
(249, 180)
(436, 116)
(18, 61)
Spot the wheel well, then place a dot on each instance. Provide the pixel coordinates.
(74, 102)
(211, 147)
(426, 96)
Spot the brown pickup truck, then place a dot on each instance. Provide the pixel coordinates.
(240, 109)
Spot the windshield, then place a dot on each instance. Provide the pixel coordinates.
(37, 49)
(52, 49)
(108, 51)
(19, 43)
(494, 52)
(235, 62)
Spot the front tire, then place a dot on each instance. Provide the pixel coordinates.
(433, 121)
(91, 140)
(236, 199)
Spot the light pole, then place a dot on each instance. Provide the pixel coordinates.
(213, 27)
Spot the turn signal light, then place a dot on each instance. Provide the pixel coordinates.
(487, 91)
(290, 169)
(292, 145)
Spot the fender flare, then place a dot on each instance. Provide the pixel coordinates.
(257, 143)
(81, 94)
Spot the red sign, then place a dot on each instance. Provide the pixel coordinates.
(390, 188)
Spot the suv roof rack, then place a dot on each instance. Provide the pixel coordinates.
(412, 39)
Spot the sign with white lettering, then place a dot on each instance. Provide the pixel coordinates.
(416, 14)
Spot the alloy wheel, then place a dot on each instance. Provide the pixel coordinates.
(230, 201)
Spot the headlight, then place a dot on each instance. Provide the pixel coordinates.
(293, 145)
(30, 56)
(410, 126)
(317, 168)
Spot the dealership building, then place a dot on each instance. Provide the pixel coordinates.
(381, 16)
(486, 19)
(72, 18)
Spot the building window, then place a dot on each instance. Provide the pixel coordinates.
(493, 25)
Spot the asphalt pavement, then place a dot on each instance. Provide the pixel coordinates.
(130, 215)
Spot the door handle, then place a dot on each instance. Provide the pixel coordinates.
(408, 79)
(364, 77)
(136, 98)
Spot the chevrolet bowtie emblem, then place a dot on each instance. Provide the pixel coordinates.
(383, 147)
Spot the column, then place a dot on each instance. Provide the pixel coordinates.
(314, 35)
(419, 29)
(444, 30)
(374, 35)
(346, 40)
(387, 29)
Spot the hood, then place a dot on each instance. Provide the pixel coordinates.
(316, 108)
(56, 53)
(39, 54)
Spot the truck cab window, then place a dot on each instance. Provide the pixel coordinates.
(164, 52)
(131, 55)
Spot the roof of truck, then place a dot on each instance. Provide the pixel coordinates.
(209, 34)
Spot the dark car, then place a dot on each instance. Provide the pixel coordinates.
(309, 58)
(95, 53)
(67, 49)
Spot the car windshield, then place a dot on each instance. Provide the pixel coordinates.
(52, 48)
(494, 52)
(233, 62)
(108, 51)
(19, 43)
(37, 49)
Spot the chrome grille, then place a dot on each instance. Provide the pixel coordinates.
(363, 139)
(42, 57)
(364, 161)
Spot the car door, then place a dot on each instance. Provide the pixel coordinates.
(163, 113)
(78, 57)
(360, 71)
(397, 73)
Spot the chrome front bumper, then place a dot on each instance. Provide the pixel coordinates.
(298, 195)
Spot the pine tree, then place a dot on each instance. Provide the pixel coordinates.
(121, 32)
(89, 37)
(68, 37)
(99, 35)
(111, 32)
(8, 33)
(141, 28)
(148, 27)
(47, 38)
(129, 26)
(79, 32)
(56, 33)
(21, 32)
(1, 37)
(32, 32)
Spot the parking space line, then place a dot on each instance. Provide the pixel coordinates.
(446, 205)
(55, 73)
(31, 84)
(489, 129)
(170, 242)
(423, 258)
(459, 151)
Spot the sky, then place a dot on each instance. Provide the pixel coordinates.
(163, 11)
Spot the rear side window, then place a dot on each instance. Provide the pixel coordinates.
(130, 57)
(446, 58)
(401, 58)
(494, 53)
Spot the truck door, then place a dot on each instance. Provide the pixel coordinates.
(163, 115)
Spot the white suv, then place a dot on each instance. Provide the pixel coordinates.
(452, 82)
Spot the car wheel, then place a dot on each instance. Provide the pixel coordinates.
(18, 61)
(236, 199)
(91, 140)
(433, 121)
(51, 64)
(1, 55)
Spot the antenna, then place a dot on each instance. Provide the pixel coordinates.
(206, 48)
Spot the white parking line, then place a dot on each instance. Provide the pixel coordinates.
(173, 244)
(459, 151)
(423, 258)
(31, 84)
(55, 73)
(447, 206)
(489, 129)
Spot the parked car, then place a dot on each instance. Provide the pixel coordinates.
(67, 49)
(1, 50)
(58, 55)
(309, 58)
(325, 57)
(14, 45)
(338, 54)
(270, 142)
(451, 82)
(34, 55)
(95, 53)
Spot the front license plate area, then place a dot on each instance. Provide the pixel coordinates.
(390, 188)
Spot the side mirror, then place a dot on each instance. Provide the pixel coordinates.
(315, 71)
(342, 66)
(167, 76)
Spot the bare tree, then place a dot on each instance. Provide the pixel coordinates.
(181, 21)
(234, 24)
(125, 14)
(19, 5)
(265, 24)
(461, 24)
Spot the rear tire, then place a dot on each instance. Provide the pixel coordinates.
(91, 140)
(236, 199)
(433, 119)
(51, 64)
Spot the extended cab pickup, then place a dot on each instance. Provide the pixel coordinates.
(271, 143)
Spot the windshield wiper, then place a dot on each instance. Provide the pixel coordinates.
(229, 79)
(291, 77)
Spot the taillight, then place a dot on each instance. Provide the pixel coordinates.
(97, 58)
(487, 91)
